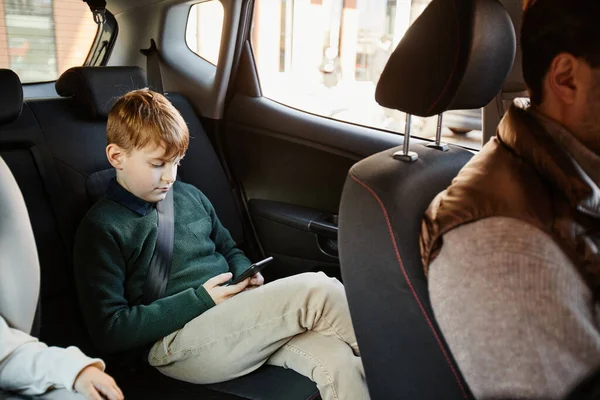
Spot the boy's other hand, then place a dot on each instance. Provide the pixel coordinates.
(221, 293)
(93, 384)
(256, 281)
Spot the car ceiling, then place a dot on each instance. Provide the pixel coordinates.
(118, 6)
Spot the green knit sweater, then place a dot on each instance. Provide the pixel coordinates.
(113, 248)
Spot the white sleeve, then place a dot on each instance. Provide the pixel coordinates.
(30, 367)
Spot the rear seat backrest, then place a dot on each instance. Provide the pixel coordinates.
(75, 130)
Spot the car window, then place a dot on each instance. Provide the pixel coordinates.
(204, 30)
(325, 57)
(40, 39)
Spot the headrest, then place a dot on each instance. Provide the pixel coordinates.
(514, 85)
(11, 101)
(98, 88)
(456, 55)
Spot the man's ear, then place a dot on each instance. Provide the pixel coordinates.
(116, 156)
(562, 79)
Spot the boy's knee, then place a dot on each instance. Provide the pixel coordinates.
(330, 290)
(329, 284)
(312, 281)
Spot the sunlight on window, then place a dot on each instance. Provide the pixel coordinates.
(40, 39)
(326, 56)
(204, 30)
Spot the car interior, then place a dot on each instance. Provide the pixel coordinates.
(314, 192)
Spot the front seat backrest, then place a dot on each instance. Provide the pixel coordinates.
(455, 56)
(19, 268)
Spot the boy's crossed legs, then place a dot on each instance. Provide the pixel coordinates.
(301, 322)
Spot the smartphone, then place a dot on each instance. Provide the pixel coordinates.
(252, 270)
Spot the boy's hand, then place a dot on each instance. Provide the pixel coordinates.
(221, 293)
(93, 384)
(256, 281)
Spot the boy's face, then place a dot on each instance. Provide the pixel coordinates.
(144, 172)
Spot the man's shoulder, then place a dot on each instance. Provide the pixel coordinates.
(494, 183)
(499, 178)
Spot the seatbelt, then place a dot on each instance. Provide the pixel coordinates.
(153, 67)
(44, 162)
(155, 285)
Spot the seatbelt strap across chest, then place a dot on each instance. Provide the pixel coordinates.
(159, 270)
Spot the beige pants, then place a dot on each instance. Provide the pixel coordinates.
(301, 322)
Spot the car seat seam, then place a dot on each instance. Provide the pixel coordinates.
(408, 281)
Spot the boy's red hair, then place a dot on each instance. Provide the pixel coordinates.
(145, 118)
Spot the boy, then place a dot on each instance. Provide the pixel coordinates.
(200, 331)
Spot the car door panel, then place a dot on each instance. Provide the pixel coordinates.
(292, 166)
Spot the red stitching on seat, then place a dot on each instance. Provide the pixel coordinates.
(455, 63)
(412, 289)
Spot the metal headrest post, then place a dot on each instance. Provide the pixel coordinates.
(438, 145)
(98, 8)
(406, 155)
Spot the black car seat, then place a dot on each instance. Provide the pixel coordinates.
(456, 55)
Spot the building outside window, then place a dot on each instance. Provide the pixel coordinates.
(40, 39)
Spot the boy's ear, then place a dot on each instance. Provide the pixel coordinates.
(115, 155)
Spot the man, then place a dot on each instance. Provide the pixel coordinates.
(511, 247)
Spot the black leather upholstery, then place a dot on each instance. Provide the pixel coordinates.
(98, 88)
(75, 135)
(455, 56)
(11, 99)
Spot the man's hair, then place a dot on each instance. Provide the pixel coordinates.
(552, 27)
(145, 118)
